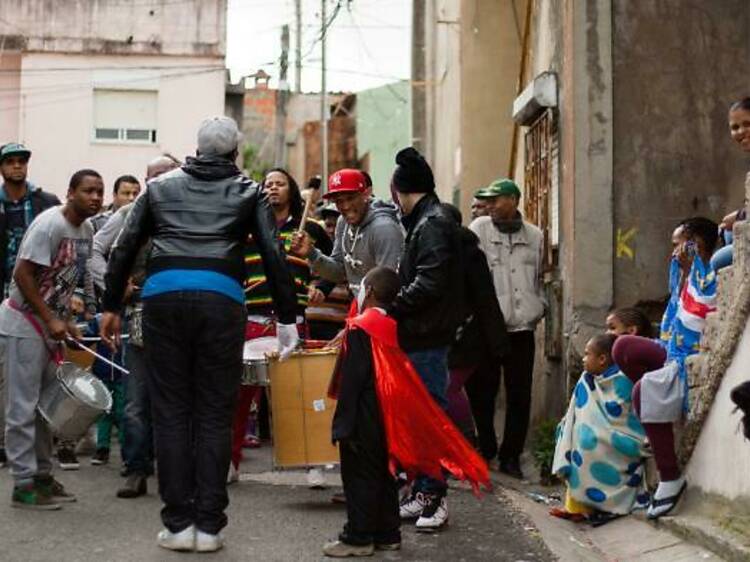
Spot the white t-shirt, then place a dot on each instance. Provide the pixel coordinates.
(61, 249)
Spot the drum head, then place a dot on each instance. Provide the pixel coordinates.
(84, 386)
(257, 349)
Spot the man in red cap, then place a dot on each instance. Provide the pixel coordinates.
(368, 232)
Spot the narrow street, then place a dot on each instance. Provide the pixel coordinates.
(273, 516)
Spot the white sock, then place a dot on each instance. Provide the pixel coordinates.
(669, 488)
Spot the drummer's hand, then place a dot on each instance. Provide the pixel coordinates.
(302, 244)
(74, 332)
(288, 339)
(57, 328)
(315, 296)
(109, 329)
(337, 341)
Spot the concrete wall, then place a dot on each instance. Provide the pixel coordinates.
(383, 128)
(442, 142)
(721, 460)
(188, 27)
(10, 95)
(491, 37)
(677, 66)
(57, 110)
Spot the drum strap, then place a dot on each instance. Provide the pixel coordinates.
(55, 355)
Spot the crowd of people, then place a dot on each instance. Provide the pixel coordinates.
(177, 274)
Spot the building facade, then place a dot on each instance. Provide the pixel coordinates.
(108, 85)
(634, 139)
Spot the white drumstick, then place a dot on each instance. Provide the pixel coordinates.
(95, 354)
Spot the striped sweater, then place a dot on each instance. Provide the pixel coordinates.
(257, 296)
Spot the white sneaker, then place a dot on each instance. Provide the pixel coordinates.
(412, 506)
(434, 516)
(316, 479)
(182, 541)
(206, 542)
(233, 475)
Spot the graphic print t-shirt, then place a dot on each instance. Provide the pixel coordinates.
(61, 250)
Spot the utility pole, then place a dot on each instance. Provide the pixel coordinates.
(323, 98)
(281, 99)
(298, 47)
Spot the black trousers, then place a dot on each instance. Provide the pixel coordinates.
(482, 387)
(371, 495)
(193, 342)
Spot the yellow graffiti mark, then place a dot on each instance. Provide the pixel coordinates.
(623, 240)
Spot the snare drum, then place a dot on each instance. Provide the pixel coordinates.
(73, 401)
(255, 360)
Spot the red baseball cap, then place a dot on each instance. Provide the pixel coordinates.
(347, 180)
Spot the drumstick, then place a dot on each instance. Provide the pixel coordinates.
(314, 187)
(95, 354)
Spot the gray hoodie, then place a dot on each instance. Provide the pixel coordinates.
(377, 241)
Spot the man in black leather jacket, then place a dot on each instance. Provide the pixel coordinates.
(198, 218)
(429, 306)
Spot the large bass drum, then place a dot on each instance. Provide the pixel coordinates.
(73, 401)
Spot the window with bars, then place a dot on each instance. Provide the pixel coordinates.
(541, 182)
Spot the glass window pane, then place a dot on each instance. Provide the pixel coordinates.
(108, 134)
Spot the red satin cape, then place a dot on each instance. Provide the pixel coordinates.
(421, 438)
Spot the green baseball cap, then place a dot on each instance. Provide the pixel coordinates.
(499, 188)
(14, 149)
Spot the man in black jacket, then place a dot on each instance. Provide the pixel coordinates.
(429, 305)
(198, 218)
(20, 202)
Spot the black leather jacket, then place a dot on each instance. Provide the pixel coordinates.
(429, 306)
(483, 335)
(199, 217)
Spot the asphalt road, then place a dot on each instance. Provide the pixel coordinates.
(272, 517)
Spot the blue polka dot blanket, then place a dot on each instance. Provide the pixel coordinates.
(601, 448)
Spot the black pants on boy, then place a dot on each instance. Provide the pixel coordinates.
(371, 495)
(482, 388)
(193, 342)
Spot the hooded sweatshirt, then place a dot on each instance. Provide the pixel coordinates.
(377, 241)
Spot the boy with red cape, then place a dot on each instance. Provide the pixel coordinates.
(384, 418)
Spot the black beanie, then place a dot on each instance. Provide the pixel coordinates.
(412, 173)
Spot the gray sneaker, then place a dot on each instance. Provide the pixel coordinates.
(338, 549)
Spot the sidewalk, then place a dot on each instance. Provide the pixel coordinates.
(626, 539)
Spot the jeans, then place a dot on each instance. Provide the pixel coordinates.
(723, 257)
(193, 342)
(432, 367)
(138, 441)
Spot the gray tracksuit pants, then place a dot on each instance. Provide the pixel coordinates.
(27, 370)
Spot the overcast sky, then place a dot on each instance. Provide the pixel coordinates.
(369, 43)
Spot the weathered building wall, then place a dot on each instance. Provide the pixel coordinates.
(149, 27)
(383, 128)
(10, 95)
(442, 84)
(490, 59)
(259, 122)
(677, 66)
(57, 123)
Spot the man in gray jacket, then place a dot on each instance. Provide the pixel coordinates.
(513, 248)
(368, 233)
